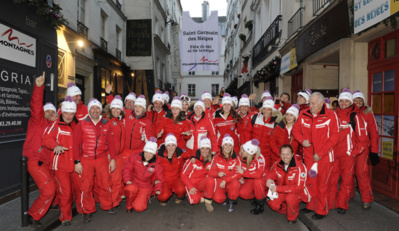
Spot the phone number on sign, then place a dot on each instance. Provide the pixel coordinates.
(10, 123)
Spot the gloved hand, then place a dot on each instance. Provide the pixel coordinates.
(374, 158)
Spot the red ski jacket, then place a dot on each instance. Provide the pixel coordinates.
(244, 127)
(228, 166)
(169, 126)
(372, 129)
(118, 126)
(225, 126)
(137, 131)
(257, 168)
(280, 137)
(171, 167)
(200, 128)
(196, 171)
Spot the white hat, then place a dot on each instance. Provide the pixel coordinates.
(73, 90)
(131, 96)
(305, 94)
(157, 97)
(227, 140)
(201, 103)
(294, 109)
(358, 94)
(227, 99)
(93, 102)
(68, 105)
(251, 146)
(170, 139)
(49, 106)
(327, 101)
(206, 95)
(165, 96)
(205, 142)
(176, 102)
(268, 103)
(244, 101)
(151, 146)
(141, 101)
(266, 94)
(235, 100)
(117, 102)
(346, 94)
(184, 97)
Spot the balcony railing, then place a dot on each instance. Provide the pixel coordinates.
(118, 54)
(118, 5)
(104, 44)
(82, 29)
(296, 22)
(319, 4)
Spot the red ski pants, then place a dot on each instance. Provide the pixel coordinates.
(363, 177)
(64, 193)
(97, 168)
(198, 184)
(44, 179)
(136, 197)
(169, 188)
(286, 203)
(213, 190)
(116, 177)
(253, 187)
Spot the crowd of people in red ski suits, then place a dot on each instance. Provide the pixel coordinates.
(273, 152)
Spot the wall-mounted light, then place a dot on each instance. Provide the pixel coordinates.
(172, 22)
(80, 43)
(132, 74)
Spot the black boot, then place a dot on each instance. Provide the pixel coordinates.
(231, 206)
(259, 207)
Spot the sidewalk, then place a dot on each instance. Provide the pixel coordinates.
(377, 217)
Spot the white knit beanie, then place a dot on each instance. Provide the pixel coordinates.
(346, 94)
(131, 96)
(68, 105)
(358, 94)
(141, 101)
(117, 102)
(206, 95)
(227, 140)
(165, 96)
(294, 110)
(251, 146)
(268, 103)
(201, 103)
(93, 102)
(244, 101)
(170, 139)
(305, 94)
(151, 146)
(176, 102)
(227, 99)
(49, 106)
(266, 94)
(157, 97)
(73, 90)
(205, 142)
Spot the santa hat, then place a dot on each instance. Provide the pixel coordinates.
(346, 94)
(184, 97)
(165, 96)
(151, 146)
(93, 102)
(205, 142)
(157, 97)
(235, 101)
(73, 90)
(201, 103)
(170, 139)
(268, 103)
(131, 96)
(327, 101)
(68, 105)
(305, 94)
(141, 101)
(266, 94)
(244, 101)
(294, 109)
(227, 140)
(251, 146)
(117, 102)
(176, 102)
(206, 95)
(227, 99)
(358, 94)
(49, 106)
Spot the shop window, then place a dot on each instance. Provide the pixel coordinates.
(390, 47)
(62, 69)
(215, 89)
(191, 89)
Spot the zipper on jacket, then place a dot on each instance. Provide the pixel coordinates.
(120, 138)
(131, 135)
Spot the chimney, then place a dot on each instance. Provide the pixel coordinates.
(205, 11)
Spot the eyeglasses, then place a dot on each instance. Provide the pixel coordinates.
(185, 98)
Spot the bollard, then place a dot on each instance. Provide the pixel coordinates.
(24, 192)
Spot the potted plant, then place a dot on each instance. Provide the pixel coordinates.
(243, 37)
(249, 25)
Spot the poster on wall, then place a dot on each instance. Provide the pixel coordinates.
(200, 44)
(387, 148)
(138, 37)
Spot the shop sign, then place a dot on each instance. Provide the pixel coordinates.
(138, 37)
(387, 149)
(326, 29)
(371, 12)
(17, 47)
(288, 61)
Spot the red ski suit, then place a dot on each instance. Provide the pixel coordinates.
(353, 141)
(137, 132)
(61, 133)
(322, 133)
(279, 137)
(231, 177)
(202, 128)
(244, 127)
(290, 187)
(226, 126)
(194, 175)
(171, 170)
(169, 126)
(140, 174)
(254, 177)
(209, 112)
(361, 161)
(156, 118)
(91, 145)
(38, 157)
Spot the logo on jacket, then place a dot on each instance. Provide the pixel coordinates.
(303, 175)
(232, 128)
(114, 123)
(151, 169)
(131, 117)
